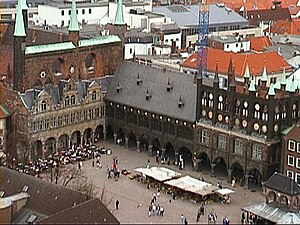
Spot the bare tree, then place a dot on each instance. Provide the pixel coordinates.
(86, 187)
(104, 197)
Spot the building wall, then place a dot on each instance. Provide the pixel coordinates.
(138, 48)
(5, 215)
(3, 135)
(175, 37)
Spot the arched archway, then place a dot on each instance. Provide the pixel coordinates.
(99, 133)
(156, 147)
(283, 200)
(121, 136)
(90, 62)
(50, 144)
(57, 66)
(203, 162)
(87, 136)
(109, 133)
(131, 140)
(170, 152)
(75, 138)
(186, 155)
(144, 143)
(63, 142)
(37, 149)
(237, 172)
(271, 196)
(255, 178)
(221, 167)
(296, 203)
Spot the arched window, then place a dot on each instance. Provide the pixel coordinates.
(245, 111)
(67, 101)
(237, 107)
(277, 112)
(294, 109)
(203, 99)
(90, 62)
(43, 105)
(57, 66)
(73, 100)
(94, 95)
(257, 111)
(211, 100)
(283, 113)
(264, 115)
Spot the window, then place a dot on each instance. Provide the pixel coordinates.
(238, 146)
(90, 11)
(94, 95)
(290, 174)
(297, 178)
(298, 147)
(205, 137)
(222, 141)
(67, 101)
(73, 100)
(257, 152)
(130, 51)
(291, 145)
(298, 163)
(83, 11)
(43, 105)
(291, 160)
(69, 12)
(273, 80)
(62, 12)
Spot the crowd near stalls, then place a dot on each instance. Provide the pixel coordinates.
(184, 187)
(64, 157)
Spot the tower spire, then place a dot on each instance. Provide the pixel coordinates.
(73, 26)
(119, 19)
(19, 24)
(216, 79)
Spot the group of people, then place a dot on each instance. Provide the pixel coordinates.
(155, 209)
(200, 212)
(113, 170)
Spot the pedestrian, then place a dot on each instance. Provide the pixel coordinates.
(243, 218)
(185, 221)
(150, 210)
(158, 210)
(154, 197)
(162, 210)
(202, 210)
(158, 192)
(117, 204)
(79, 166)
(93, 163)
(198, 214)
(173, 195)
(182, 218)
(153, 209)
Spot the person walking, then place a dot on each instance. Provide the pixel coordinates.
(153, 209)
(162, 210)
(117, 204)
(150, 210)
(182, 219)
(202, 210)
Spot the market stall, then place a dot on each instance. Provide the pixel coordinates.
(224, 195)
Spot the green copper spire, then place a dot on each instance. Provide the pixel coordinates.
(264, 76)
(252, 86)
(119, 19)
(283, 77)
(23, 4)
(73, 26)
(247, 72)
(271, 91)
(19, 24)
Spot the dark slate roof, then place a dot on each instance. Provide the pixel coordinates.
(91, 212)
(155, 80)
(283, 184)
(52, 201)
(56, 91)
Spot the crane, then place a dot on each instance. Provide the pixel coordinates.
(203, 37)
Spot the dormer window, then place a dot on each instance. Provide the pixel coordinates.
(148, 95)
(180, 103)
(169, 86)
(43, 105)
(139, 80)
(119, 88)
(67, 101)
(94, 95)
(73, 100)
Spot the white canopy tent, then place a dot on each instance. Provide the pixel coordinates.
(158, 173)
(224, 191)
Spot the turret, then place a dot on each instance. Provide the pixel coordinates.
(74, 25)
(264, 78)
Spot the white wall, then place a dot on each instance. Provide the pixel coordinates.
(138, 48)
(176, 37)
(162, 50)
(237, 46)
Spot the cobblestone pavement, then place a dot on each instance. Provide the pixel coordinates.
(131, 193)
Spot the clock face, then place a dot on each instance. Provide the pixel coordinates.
(203, 112)
(264, 128)
(245, 104)
(220, 98)
(257, 107)
(256, 126)
(211, 96)
(237, 121)
(210, 114)
(276, 128)
(220, 117)
(244, 123)
(43, 74)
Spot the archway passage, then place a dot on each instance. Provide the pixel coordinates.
(283, 200)
(37, 150)
(63, 142)
(87, 136)
(144, 143)
(203, 162)
(50, 146)
(75, 138)
(132, 140)
(186, 155)
(170, 152)
(255, 178)
(120, 137)
(99, 133)
(237, 173)
(90, 62)
(156, 147)
(110, 133)
(221, 167)
(271, 196)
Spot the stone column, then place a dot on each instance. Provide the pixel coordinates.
(93, 137)
(81, 139)
(163, 152)
(246, 186)
(213, 169)
(229, 176)
(126, 142)
(104, 135)
(115, 138)
(138, 146)
(150, 149)
(176, 158)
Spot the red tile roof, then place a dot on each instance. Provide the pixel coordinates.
(286, 27)
(259, 43)
(274, 62)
